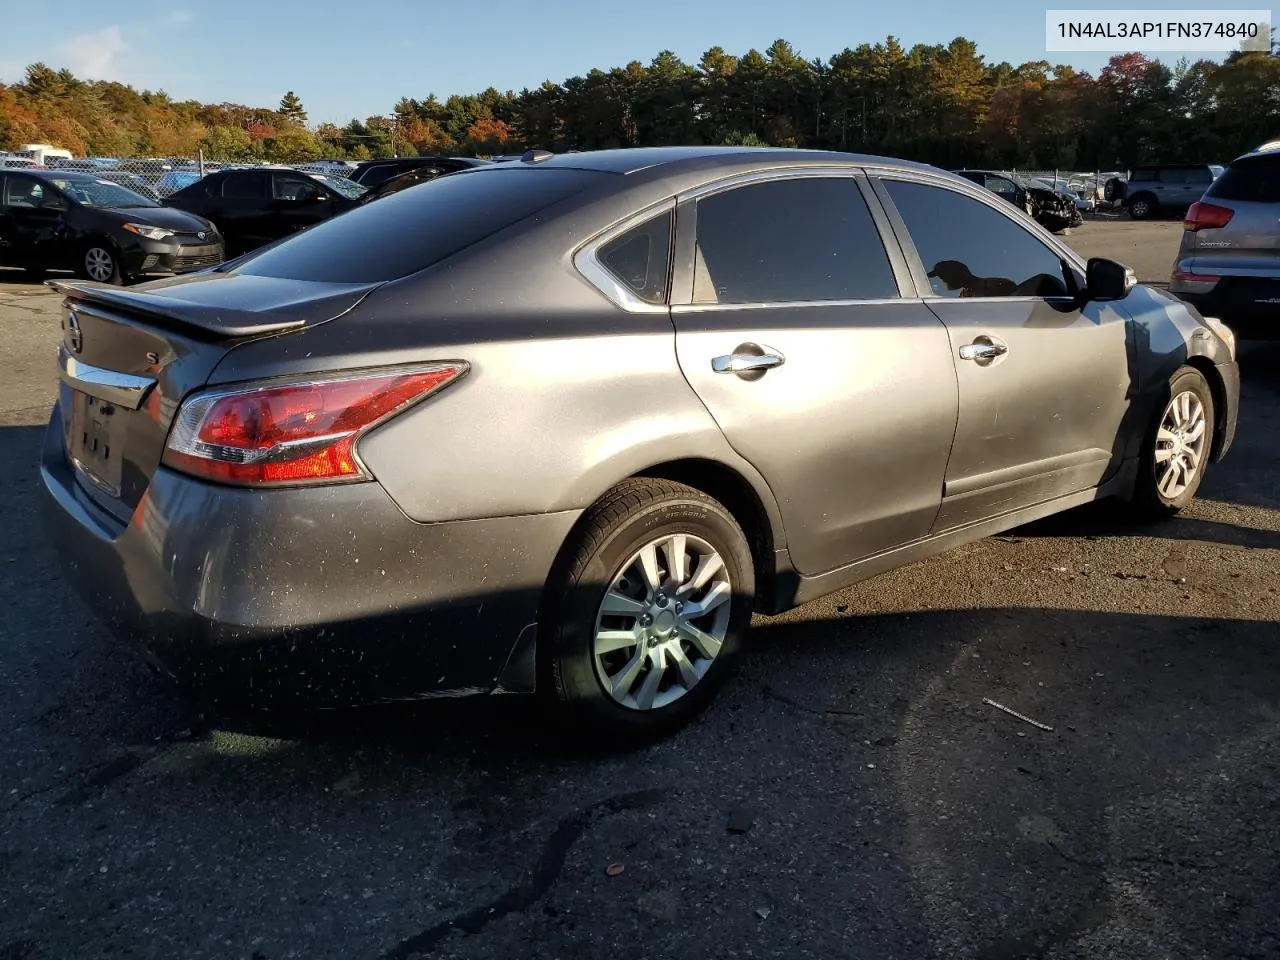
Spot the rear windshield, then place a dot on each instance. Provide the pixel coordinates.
(408, 231)
(1255, 180)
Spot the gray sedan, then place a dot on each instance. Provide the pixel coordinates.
(561, 425)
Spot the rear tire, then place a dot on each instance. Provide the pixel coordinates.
(1175, 451)
(1142, 207)
(645, 616)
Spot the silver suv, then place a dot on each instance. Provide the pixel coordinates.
(1228, 265)
(1167, 188)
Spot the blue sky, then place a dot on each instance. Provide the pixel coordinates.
(357, 59)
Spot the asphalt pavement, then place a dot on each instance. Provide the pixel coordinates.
(881, 807)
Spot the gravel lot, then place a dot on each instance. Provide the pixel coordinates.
(892, 813)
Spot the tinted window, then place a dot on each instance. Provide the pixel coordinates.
(641, 258)
(246, 186)
(22, 192)
(1256, 180)
(970, 250)
(291, 187)
(412, 229)
(790, 240)
(1173, 176)
(1003, 186)
(1143, 175)
(372, 176)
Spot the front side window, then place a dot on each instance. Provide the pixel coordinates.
(641, 258)
(1002, 186)
(807, 239)
(296, 188)
(971, 250)
(22, 192)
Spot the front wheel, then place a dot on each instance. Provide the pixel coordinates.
(647, 615)
(98, 261)
(1176, 448)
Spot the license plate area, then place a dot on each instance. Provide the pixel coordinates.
(95, 435)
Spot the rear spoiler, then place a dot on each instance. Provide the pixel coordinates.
(281, 308)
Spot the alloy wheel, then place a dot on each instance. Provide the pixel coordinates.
(99, 264)
(662, 621)
(1180, 442)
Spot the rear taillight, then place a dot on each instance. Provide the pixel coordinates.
(1196, 277)
(1206, 216)
(294, 433)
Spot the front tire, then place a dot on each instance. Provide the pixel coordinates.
(646, 616)
(1176, 449)
(100, 262)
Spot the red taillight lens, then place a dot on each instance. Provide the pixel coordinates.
(1206, 216)
(293, 433)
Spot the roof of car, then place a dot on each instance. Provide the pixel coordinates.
(634, 159)
(59, 174)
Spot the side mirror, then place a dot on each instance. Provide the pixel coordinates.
(1108, 280)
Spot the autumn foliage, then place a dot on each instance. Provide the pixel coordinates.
(943, 104)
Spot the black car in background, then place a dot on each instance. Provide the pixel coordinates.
(404, 180)
(371, 173)
(254, 206)
(59, 220)
(1042, 203)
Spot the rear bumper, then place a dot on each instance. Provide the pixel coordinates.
(1243, 309)
(327, 593)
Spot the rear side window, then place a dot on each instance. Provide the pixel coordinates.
(786, 241)
(410, 230)
(1256, 180)
(641, 258)
(971, 250)
(246, 186)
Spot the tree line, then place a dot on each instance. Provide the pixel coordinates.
(938, 104)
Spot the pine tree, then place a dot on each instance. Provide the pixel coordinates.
(292, 110)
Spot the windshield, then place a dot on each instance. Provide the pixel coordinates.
(348, 188)
(101, 193)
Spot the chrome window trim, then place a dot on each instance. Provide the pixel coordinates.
(785, 304)
(586, 261)
(122, 389)
(826, 171)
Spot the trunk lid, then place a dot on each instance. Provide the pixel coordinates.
(128, 358)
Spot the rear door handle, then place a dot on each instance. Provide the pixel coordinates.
(746, 359)
(983, 349)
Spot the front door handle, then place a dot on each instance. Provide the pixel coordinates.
(983, 350)
(748, 359)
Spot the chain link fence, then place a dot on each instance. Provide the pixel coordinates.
(154, 177)
(159, 177)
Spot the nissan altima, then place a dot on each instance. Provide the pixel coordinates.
(561, 425)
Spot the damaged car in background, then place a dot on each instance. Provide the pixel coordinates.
(1051, 209)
